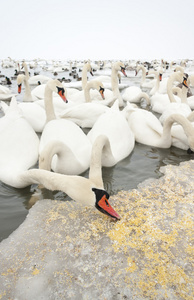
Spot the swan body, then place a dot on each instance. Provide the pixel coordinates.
(87, 191)
(131, 92)
(175, 108)
(146, 127)
(19, 146)
(85, 114)
(5, 93)
(134, 94)
(34, 114)
(113, 124)
(38, 79)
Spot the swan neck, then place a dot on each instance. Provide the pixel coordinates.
(84, 76)
(27, 94)
(87, 93)
(48, 102)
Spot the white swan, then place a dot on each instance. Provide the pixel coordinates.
(19, 146)
(174, 107)
(113, 124)
(159, 102)
(87, 191)
(28, 97)
(134, 94)
(78, 148)
(149, 131)
(34, 113)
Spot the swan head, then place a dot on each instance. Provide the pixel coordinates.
(20, 80)
(119, 66)
(101, 91)
(160, 73)
(57, 87)
(185, 77)
(103, 205)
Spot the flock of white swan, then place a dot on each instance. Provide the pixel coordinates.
(47, 126)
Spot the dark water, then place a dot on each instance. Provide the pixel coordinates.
(143, 163)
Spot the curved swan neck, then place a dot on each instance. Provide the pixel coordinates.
(93, 84)
(140, 96)
(95, 173)
(143, 69)
(185, 123)
(53, 147)
(26, 70)
(27, 94)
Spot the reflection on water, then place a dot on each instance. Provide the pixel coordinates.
(143, 163)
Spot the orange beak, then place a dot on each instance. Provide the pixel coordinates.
(61, 93)
(19, 88)
(107, 209)
(185, 83)
(123, 71)
(101, 91)
(160, 77)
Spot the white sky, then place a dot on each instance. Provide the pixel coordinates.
(101, 29)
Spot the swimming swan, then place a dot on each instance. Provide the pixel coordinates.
(87, 191)
(149, 131)
(74, 158)
(113, 124)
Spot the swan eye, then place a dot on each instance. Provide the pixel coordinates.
(60, 91)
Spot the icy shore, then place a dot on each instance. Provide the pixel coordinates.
(67, 251)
